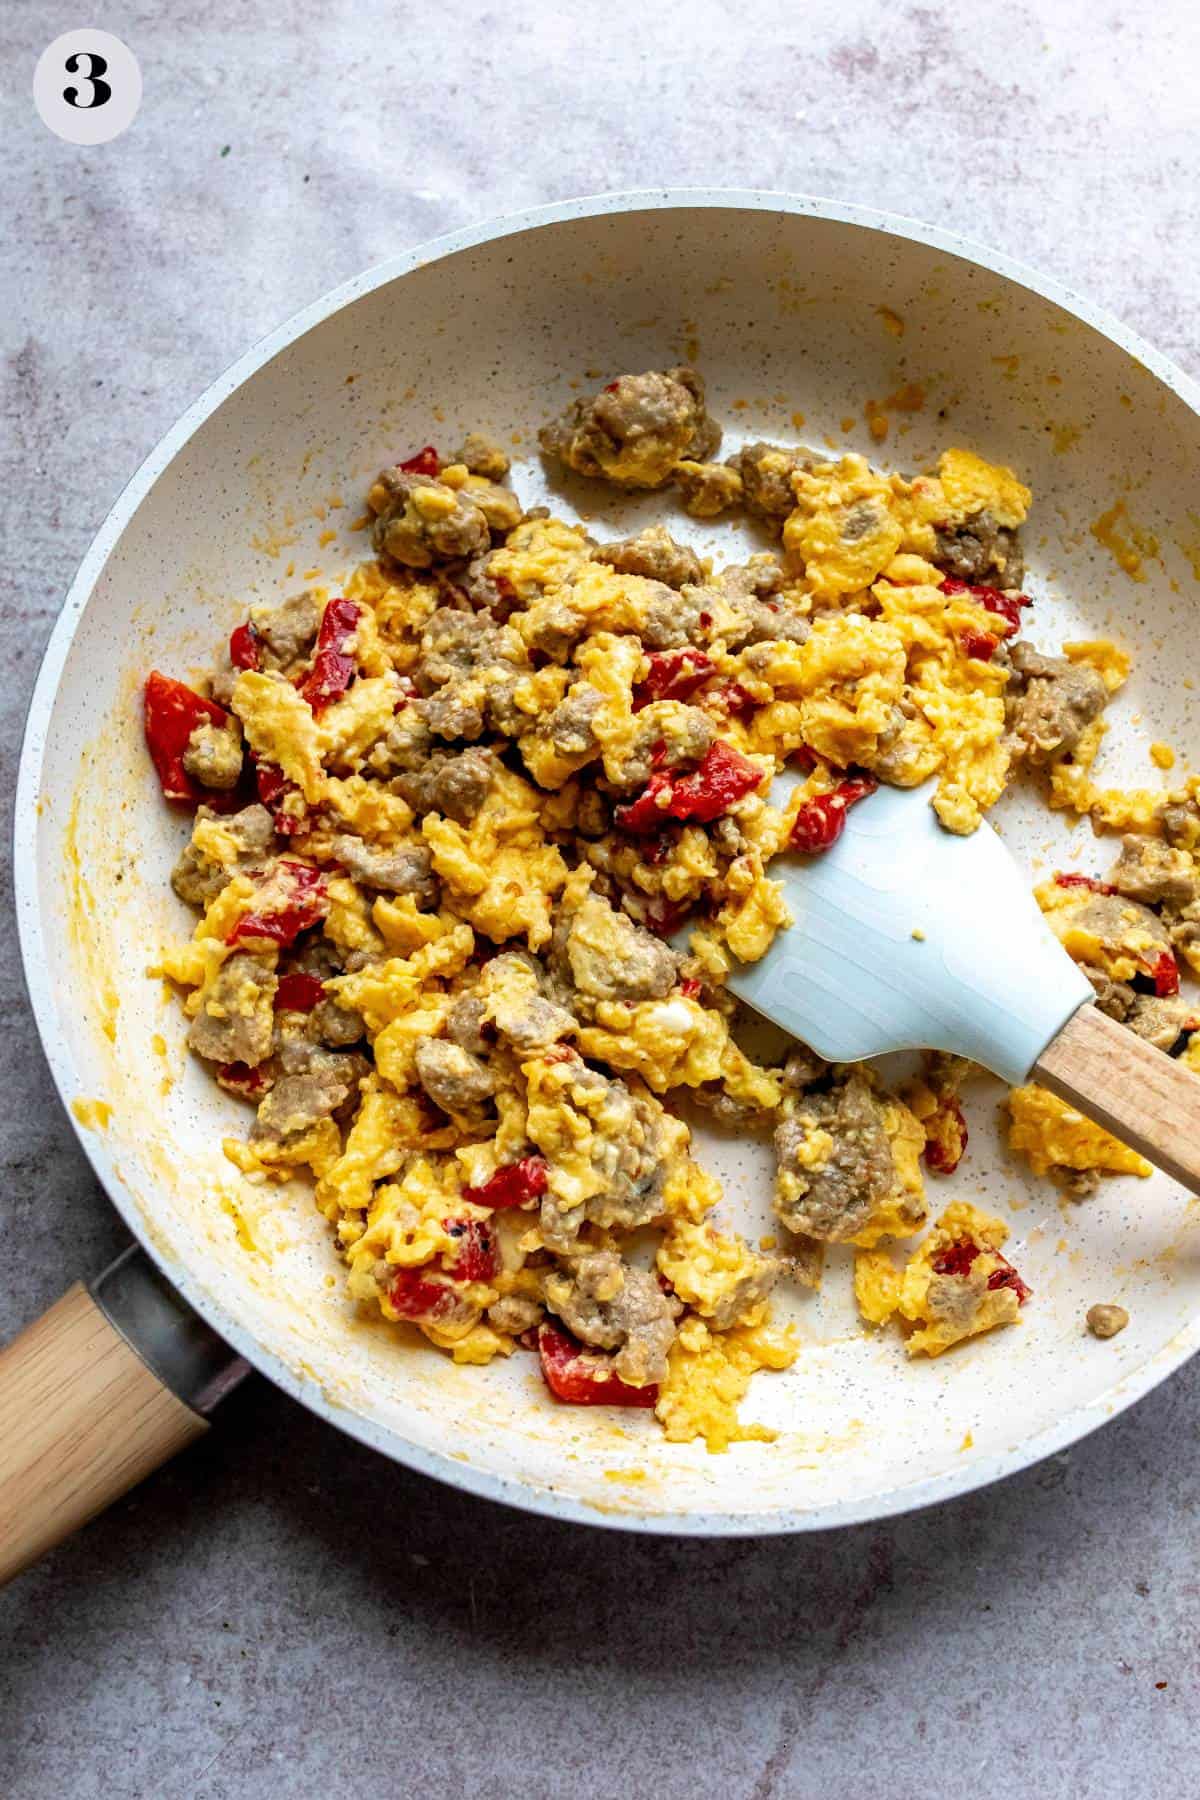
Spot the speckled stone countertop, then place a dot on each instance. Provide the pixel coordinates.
(282, 1612)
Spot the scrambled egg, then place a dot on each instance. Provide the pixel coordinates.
(1053, 1135)
(499, 872)
(478, 792)
(707, 1379)
(955, 1285)
(971, 486)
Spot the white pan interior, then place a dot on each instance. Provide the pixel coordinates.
(779, 303)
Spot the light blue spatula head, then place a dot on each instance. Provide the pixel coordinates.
(907, 936)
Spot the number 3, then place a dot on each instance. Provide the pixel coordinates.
(96, 67)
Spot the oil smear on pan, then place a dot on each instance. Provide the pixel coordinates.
(114, 920)
(1125, 542)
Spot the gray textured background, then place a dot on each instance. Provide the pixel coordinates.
(282, 1613)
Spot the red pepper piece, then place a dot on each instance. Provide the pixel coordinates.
(273, 789)
(959, 1257)
(645, 813)
(689, 988)
(425, 462)
(513, 1185)
(244, 647)
(736, 701)
(722, 778)
(416, 1295)
(1007, 1276)
(333, 668)
(946, 1136)
(672, 675)
(1164, 972)
(171, 712)
(1071, 880)
(476, 1256)
(821, 821)
(1004, 606)
(979, 644)
(251, 1082)
(303, 901)
(299, 992)
(583, 1378)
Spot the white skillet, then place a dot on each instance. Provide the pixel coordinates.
(780, 302)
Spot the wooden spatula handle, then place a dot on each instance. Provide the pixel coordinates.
(1144, 1098)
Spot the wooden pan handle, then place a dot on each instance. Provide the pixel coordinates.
(1139, 1094)
(85, 1416)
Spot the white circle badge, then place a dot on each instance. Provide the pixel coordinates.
(87, 87)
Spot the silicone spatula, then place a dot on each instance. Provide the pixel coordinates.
(906, 936)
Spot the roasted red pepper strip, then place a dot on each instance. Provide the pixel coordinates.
(1071, 880)
(250, 1082)
(690, 988)
(722, 778)
(979, 644)
(582, 1377)
(415, 1295)
(302, 901)
(425, 462)
(428, 1294)
(735, 701)
(821, 820)
(171, 713)
(672, 675)
(946, 1136)
(475, 1256)
(1007, 1277)
(645, 813)
(333, 667)
(273, 789)
(959, 1258)
(1164, 972)
(512, 1185)
(956, 1259)
(244, 651)
(1004, 606)
(299, 992)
